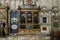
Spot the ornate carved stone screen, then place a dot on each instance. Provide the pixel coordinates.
(29, 21)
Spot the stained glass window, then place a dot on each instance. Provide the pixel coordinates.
(44, 19)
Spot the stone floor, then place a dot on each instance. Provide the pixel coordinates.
(26, 37)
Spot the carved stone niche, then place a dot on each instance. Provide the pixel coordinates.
(3, 21)
(55, 9)
(44, 8)
(3, 15)
(55, 13)
(55, 17)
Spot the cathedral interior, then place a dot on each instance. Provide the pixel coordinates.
(35, 19)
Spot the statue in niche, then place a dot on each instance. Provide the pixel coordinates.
(35, 18)
(3, 33)
(56, 13)
(2, 25)
(29, 17)
(22, 18)
(19, 7)
(55, 16)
